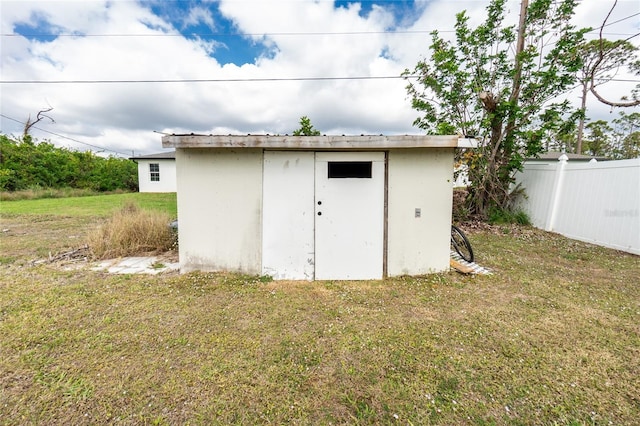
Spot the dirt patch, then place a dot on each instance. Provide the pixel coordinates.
(477, 226)
(41, 237)
(169, 257)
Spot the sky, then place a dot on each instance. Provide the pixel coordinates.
(117, 74)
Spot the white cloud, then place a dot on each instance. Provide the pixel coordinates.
(124, 116)
(199, 15)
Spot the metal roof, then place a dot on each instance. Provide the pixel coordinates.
(170, 155)
(324, 142)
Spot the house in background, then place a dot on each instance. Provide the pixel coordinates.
(314, 207)
(157, 172)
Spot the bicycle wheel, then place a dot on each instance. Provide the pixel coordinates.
(461, 244)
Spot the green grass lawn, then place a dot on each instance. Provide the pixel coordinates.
(551, 338)
(96, 205)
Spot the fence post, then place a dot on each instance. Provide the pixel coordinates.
(556, 192)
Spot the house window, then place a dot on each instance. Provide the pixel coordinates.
(349, 169)
(154, 171)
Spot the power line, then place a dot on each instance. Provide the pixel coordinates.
(633, 36)
(320, 33)
(623, 19)
(266, 34)
(236, 80)
(262, 34)
(206, 80)
(67, 137)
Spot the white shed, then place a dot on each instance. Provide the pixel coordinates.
(156, 172)
(314, 207)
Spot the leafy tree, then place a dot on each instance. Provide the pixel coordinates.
(598, 141)
(631, 146)
(616, 139)
(498, 83)
(601, 60)
(306, 128)
(626, 134)
(114, 173)
(558, 134)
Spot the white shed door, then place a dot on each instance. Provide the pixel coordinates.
(349, 212)
(287, 218)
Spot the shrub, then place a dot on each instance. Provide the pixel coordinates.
(26, 164)
(132, 231)
(500, 216)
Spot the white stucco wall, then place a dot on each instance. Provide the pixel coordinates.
(419, 179)
(167, 181)
(219, 209)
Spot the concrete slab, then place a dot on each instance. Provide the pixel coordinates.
(136, 265)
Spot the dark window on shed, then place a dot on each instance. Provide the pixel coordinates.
(349, 169)
(154, 171)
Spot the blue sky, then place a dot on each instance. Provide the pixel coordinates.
(236, 48)
(211, 25)
(197, 20)
(254, 52)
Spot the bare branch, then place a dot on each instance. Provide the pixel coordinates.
(592, 87)
(613, 104)
(39, 117)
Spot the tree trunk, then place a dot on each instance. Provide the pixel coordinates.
(583, 106)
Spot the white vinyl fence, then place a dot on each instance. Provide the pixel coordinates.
(596, 202)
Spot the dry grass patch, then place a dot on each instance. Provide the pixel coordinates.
(132, 231)
(37, 193)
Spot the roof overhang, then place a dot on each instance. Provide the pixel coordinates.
(159, 156)
(467, 143)
(361, 142)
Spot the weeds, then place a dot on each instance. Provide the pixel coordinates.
(504, 216)
(132, 231)
(40, 193)
(497, 216)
